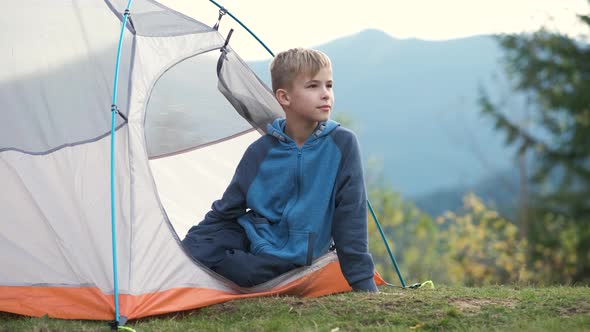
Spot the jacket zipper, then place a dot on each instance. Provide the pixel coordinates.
(297, 189)
(297, 183)
(297, 178)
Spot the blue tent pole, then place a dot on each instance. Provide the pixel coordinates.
(114, 112)
(243, 26)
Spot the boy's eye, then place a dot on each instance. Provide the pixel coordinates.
(313, 85)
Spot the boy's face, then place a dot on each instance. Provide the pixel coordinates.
(310, 98)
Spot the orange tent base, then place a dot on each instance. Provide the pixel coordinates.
(91, 303)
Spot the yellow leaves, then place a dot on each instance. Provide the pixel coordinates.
(449, 215)
(490, 214)
(475, 246)
(482, 247)
(509, 266)
(510, 231)
(583, 118)
(520, 255)
(478, 271)
(500, 246)
(417, 326)
(498, 224)
(473, 203)
(397, 217)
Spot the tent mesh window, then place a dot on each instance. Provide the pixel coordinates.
(188, 108)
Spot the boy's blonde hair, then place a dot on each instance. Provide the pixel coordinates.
(285, 67)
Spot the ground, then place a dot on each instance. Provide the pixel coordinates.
(498, 308)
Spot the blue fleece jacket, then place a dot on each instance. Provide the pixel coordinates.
(292, 201)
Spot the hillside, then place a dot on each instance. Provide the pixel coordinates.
(502, 308)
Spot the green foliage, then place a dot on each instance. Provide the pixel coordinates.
(556, 240)
(473, 247)
(553, 72)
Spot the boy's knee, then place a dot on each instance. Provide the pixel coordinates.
(248, 270)
(202, 249)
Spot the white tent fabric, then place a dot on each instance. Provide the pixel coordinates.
(55, 88)
(179, 178)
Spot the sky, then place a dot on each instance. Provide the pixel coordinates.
(284, 24)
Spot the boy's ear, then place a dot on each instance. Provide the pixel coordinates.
(282, 97)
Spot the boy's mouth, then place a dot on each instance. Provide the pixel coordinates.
(325, 107)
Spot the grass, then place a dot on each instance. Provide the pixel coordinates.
(500, 308)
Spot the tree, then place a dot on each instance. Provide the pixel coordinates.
(553, 72)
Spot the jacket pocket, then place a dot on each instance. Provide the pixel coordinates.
(267, 234)
(300, 246)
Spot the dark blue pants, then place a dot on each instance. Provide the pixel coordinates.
(224, 248)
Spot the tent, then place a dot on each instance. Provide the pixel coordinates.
(187, 108)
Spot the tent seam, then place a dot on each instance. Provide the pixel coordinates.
(65, 145)
(187, 150)
(178, 14)
(129, 149)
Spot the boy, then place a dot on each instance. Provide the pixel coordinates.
(295, 189)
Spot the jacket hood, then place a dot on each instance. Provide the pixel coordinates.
(277, 130)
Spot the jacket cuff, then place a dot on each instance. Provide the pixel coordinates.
(366, 285)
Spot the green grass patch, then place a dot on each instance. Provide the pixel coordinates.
(500, 308)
